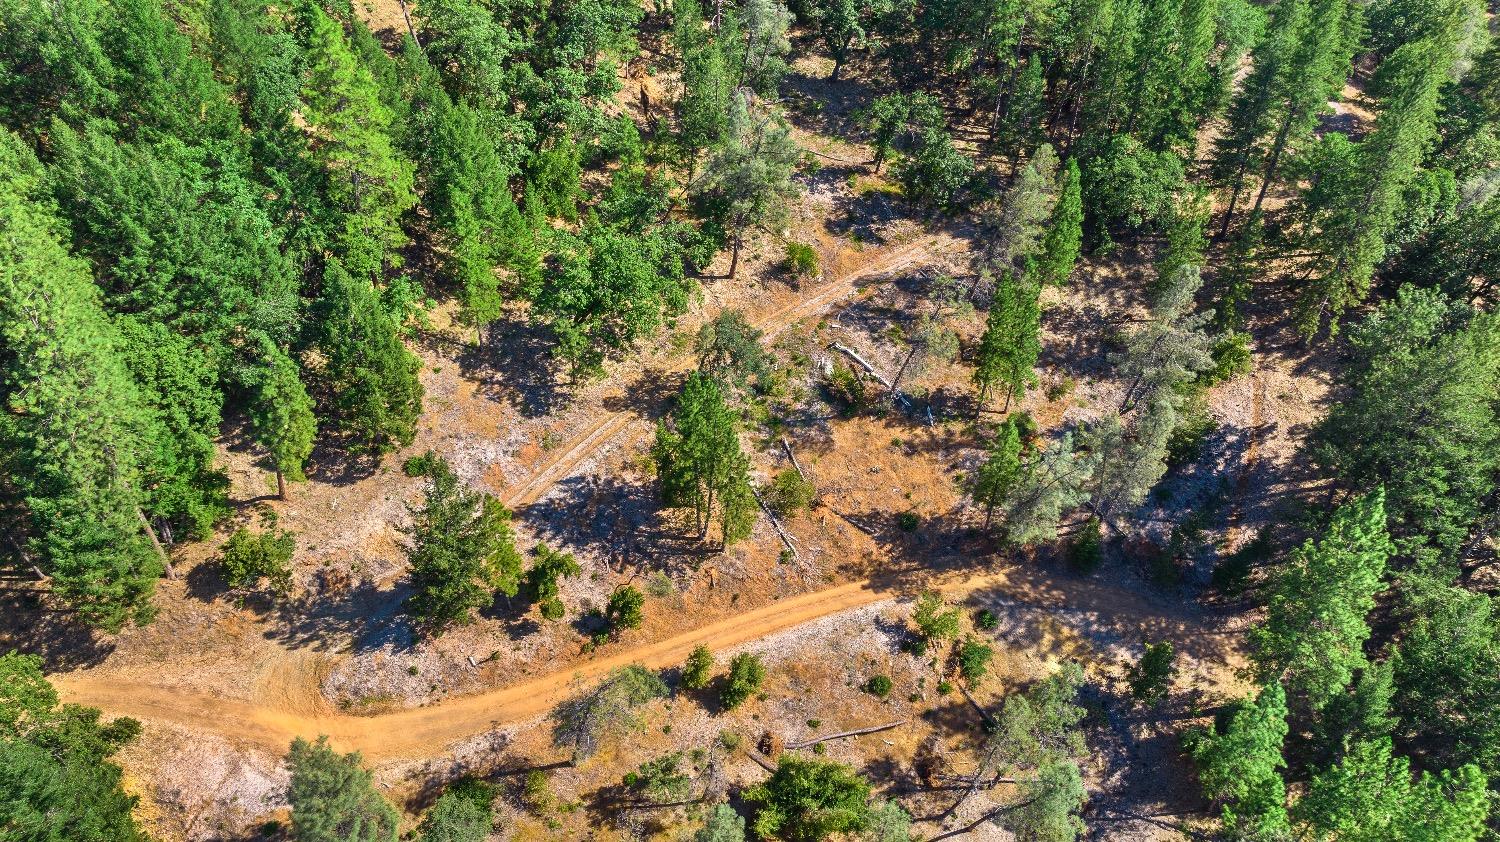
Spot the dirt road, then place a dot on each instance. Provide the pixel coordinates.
(426, 731)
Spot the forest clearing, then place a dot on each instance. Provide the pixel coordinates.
(464, 420)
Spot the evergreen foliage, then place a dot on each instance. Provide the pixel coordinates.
(806, 800)
(333, 797)
(700, 462)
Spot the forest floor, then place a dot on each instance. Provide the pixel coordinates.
(223, 683)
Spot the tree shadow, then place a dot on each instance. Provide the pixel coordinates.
(650, 396)
(513, 363)
(364, 618)
(32, 626)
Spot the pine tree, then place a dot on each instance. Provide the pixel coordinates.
(1021, 221)
(281, 415)
(542, 580)
(701, 464)
(1369, 796)
(1315, 628)
(1170, 351)
(1239, 764)
(1001, 469)
(369, 182)
(766, 45)
(76, 432)
(1064, 238)
(703, 109)
(1011, 343)
(373, 378)
(1053, 481)
(333, 797)
(462, 551)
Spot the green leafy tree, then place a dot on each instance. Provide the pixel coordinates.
(462, 550)
(455, 817)
(707, 84)
(248, 557)
(624, 608)
(333, 797)
(746, 674)
(373, 377)
(605, 712)
(1008, 349)
(369, 182)
(841, 27)
(1001, 469)
(281, 415)
(806, 800)
(933, 173)
(75, 432)
(747, 181)
(729, 349)
(542, 578)
(1064, 239)
(698, 669)
(1239, 763)
(1316, 625)
(57, 781)
(722, 825)
(935, 622)
(1049, 806)
(974, 658)
(1150, 678)
(700, 461)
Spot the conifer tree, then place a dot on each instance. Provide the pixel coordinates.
(333, 797)
(1370, 796)
(1053, 481)
(701, 464)
(1315, 628)
(1239, 764)
(1064, 239)
(1021, 220)
(542, 579)
(1008, 350)
(281, 414)
(992, 482)
(766, 44)
(462, 551)
(76, 432)
(373, 378)
(707, 89)
(369, 182)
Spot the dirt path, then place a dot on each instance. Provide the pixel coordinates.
(1097, 608)
(603, 429)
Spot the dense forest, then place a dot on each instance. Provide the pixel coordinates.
(238, 217)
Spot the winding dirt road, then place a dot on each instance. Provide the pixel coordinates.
(426, 731)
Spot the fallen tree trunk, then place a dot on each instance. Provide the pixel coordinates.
(988, 720)
(785, 538)
(160, 550)
(875, 729)
(760, 760)
(863, 363)
(787, 446)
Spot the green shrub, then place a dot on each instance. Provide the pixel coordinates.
(908, 521)
(944, 687)
(986, 620)
(698, 669)
(1151, 677)
(788, 493)
(420, 466)
(879, 686)
(746, 672)
(1232, 574)
(248, 557)
(846, 389)
(974, 659)
(1231, 358)
(1087, 549)
(801, 259)
(1195, 424)
(536, 791)
(624, 609)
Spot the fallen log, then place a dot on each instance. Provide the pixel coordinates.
(863, 363)
(787, 446)
(842, 734)
(785, 538)
(760, 760)
(166, 560)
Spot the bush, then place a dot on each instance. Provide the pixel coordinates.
(1231, 358)
(698, 669)
(1151, 677)
(944, 687)
(908, 521)
(986, 620)
(661, 779)
(420, 466)
(1087, 550)
(801, 259)
(788, 493)
(846, 389)
(746, 673)
(932, 621)
(1185, 444)
(879, 686)
(974, 660)
(624, 609)
(536, 791)
(249, 557)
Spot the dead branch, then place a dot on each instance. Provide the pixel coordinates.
(842, 734)
(977, 822)
(787, 446)
(160, 550)
(988, 720)
(785, 538)
(760, 759)
(863, 363)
